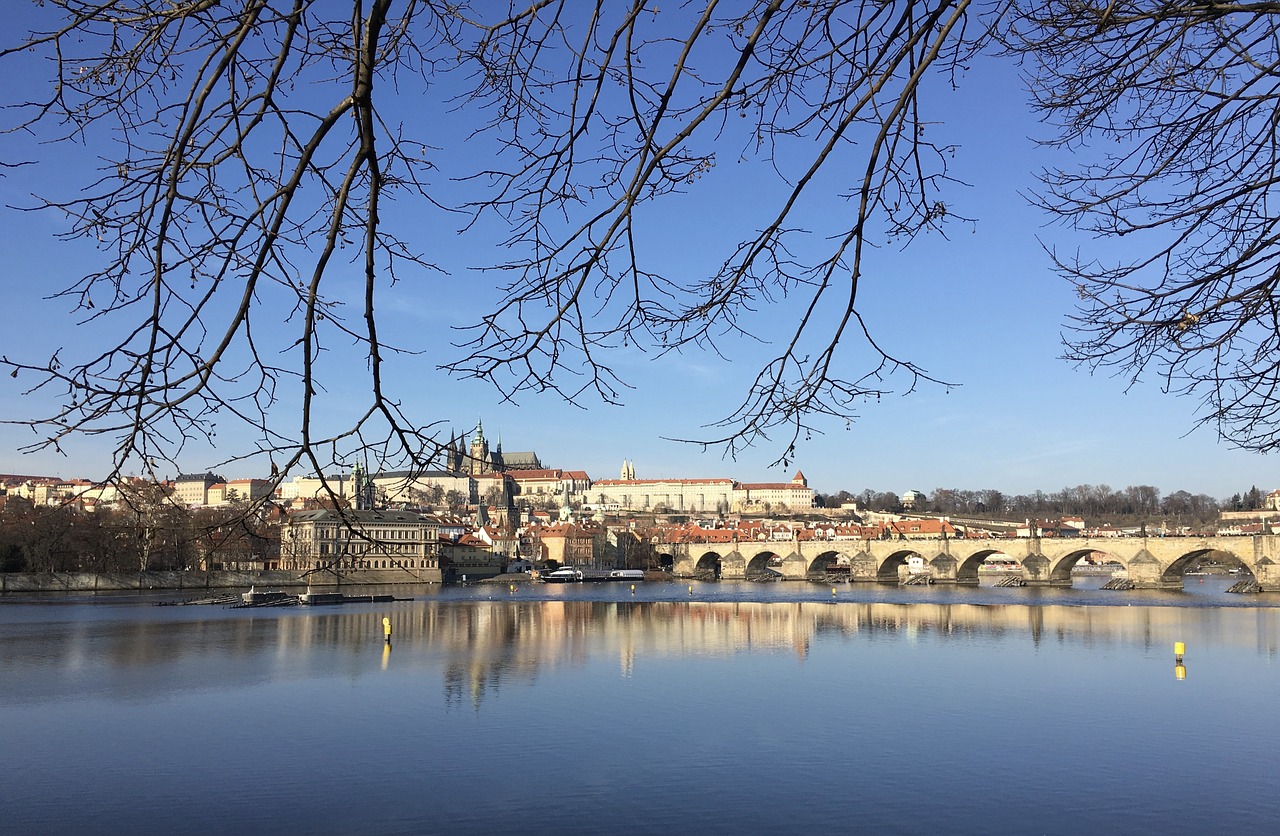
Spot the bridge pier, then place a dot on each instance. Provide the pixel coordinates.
(944, 568)
(1267, 573)
(794, 567)
(1038, 571)
(862, 568)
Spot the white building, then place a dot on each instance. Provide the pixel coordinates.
(795, 495)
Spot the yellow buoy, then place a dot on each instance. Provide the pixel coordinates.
(386, 628)
(833, 590)
(633, 589)
(1179, 648)
(690, 589)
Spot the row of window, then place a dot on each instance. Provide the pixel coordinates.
(410, 534)
(375, 564)
(362, 548)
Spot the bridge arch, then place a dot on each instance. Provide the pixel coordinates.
(967, 569)
(1061, 565)
(830, 562)
(1176, 570)
(887, 571)
(709, 562)
(762, 563)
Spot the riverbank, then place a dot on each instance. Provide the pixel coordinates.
(111, 581)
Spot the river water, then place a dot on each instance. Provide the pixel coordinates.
(725, 708)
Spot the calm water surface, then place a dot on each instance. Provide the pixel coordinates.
(736, 708)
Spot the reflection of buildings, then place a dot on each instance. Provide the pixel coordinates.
(477, 646)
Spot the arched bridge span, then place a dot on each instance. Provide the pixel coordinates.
(1152, 562)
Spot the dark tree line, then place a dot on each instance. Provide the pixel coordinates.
(1093, 502)
(161, 537)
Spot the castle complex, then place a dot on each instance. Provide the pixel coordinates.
(474, 474)
(703, 496)
(477, 459)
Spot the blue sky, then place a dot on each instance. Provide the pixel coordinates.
(981, 310)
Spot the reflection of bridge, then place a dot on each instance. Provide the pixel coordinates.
(1152, 562)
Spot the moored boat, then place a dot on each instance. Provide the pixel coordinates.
(563, 575)
(570, 574)
(266, 596)
(316, 599)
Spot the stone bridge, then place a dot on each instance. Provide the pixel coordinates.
(1152, 562)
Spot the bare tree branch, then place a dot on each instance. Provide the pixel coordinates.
(251, 148)
(1171, 110)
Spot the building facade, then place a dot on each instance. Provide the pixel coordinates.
(703, 496)
(192, 489)
(349, 542)
(795, 495)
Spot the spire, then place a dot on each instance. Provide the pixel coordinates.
(362, 488)
(480, 461)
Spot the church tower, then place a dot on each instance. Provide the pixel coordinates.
(479, 452)
(455, 459)
(498, 463)
(363, 491)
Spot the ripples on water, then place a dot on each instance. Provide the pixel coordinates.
(738, 709)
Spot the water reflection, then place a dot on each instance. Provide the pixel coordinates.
(570, 715)
(479, 645)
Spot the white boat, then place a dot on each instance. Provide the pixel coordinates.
(568, 574)
(563, 575)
